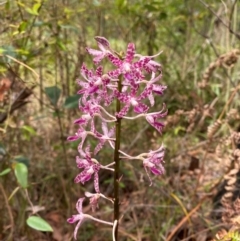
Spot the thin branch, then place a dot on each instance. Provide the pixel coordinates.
(179, 225)
(231, 12)
(225, 24)
(21, 63)
(209, 41)
(9, 210)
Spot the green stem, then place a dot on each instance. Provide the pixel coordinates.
(117, 162)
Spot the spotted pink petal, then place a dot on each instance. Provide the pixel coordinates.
(80, 121)
(159, 89)
(81, 163)
(153, 66)
(123, 111)
(96, 182)
(83, 177)
(158, 126)
(94, 52)
(94, 202)
(103, 41)
(141, 108)
(73, 219)
(156, 171)
(84, 71)
(115, 60)
(73, 138)
(141, 63)
(130, 52)
(99, 71)
(114, 73)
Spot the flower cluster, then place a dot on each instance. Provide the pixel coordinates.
(133, 84)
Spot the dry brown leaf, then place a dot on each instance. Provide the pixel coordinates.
(5, 85)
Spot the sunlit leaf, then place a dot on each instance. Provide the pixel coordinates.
(21, 4)
(121, 3)
(15, 33)
(28, 132)
(23, 51)
(29, 10)
(13, 25)
(21, 173)
(29, 129)
(38, 223)
(22, 27)
(36, 8)
(177, 129)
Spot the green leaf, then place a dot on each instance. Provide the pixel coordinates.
(2, 150)
(151, 8)
(38, 223)
(53, 93)
(7, 5)
(24, 52)
(177, 129)
(4, 172)
(39, 23)
(15, 33)
(22, 159)
(29, 129)
(162, 15)
(22, 27)
(61, 45)
(71, 102)
(121, 3)
(29, 10)
(36, 8)
(21, 173)
(21, 4)
(96, 3)
(9, 50)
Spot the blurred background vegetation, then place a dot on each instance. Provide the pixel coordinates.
(42, 47)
